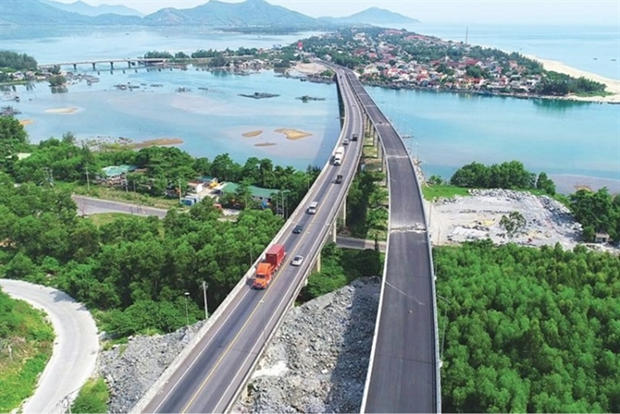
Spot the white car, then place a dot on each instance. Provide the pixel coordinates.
(297, 260)
(345, 141)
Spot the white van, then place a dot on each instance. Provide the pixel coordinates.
(312, 207)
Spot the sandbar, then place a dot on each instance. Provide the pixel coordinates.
(25, 122)
(252, 134)
(265, 144)
(63, 111)
(158, 142)
(611, 85)
(293, 134)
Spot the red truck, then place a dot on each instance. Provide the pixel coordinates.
(273, 259)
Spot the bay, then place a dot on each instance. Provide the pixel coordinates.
(576, 143)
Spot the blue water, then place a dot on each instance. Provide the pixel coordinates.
(574, 142)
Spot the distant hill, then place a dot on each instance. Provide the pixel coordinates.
(38, 13)
(248, 15)
(88, 10)
(373, 15)
(220, 14)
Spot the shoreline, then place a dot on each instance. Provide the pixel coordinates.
(611, 85)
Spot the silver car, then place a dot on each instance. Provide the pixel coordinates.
(297, 260)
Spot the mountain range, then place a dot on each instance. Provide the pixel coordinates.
(214, 13)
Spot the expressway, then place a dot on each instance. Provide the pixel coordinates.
(216, 370)
(403, 370)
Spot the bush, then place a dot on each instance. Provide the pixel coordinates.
(93, 398)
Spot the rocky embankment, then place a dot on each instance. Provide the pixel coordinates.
(131, 369)
(317, 361)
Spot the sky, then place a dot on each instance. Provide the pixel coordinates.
(430, 11)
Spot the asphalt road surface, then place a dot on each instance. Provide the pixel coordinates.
(76, 346)
(403, 364)
(214, 372)
(90, 205)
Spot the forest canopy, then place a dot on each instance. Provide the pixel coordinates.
(530, 330)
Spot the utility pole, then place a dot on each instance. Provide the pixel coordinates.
(204, 292)
(186, 308)
(87, 180)
(179, 191)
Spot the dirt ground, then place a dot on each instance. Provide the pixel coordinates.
(478, 216)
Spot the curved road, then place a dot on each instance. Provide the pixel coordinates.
(75, 351)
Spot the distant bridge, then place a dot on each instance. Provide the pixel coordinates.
(130, 62)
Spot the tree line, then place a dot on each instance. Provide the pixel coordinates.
(528, 330)
(134, 270)
(11, 61)
(509, 175)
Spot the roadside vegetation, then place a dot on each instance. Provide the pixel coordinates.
(26, 341)
(132, 272)
(339, 267)
(528, 330)
(93, 397)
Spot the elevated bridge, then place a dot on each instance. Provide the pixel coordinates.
(213, 370)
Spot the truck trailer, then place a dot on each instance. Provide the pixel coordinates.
(265, 270)
(339, 155)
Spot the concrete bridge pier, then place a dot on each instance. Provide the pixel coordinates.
(129, 64)
(111, 65)
(75, 67)
(342, 212)
(94, 66)
(316, 267)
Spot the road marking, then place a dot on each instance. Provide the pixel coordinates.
(228, 348)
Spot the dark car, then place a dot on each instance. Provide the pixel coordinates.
(298, 228)
(339, 179)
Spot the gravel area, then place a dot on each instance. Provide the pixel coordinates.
(318, 359)
(478, 216)
(130, 369)
(316, 362)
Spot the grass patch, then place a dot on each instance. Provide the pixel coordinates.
(443, 191)
(26, 341)
(105, 218)
(93, 397)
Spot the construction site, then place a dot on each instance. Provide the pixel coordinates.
(478, 216)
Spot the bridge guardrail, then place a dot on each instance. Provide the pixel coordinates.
(325, 233)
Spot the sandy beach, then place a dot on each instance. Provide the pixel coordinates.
(293, 134)
(309, 68)
(25, 122)
(62, 111)
(612, 85)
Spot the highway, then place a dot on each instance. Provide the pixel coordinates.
(402, 376)
(210, 378)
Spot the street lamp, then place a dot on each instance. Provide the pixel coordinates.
(443, 335)
(204, 291)
(186, 308)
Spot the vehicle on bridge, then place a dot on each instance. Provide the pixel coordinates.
(338, 179)
(313, 207)
(273, 259)
(339, 155)
(354, 137)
